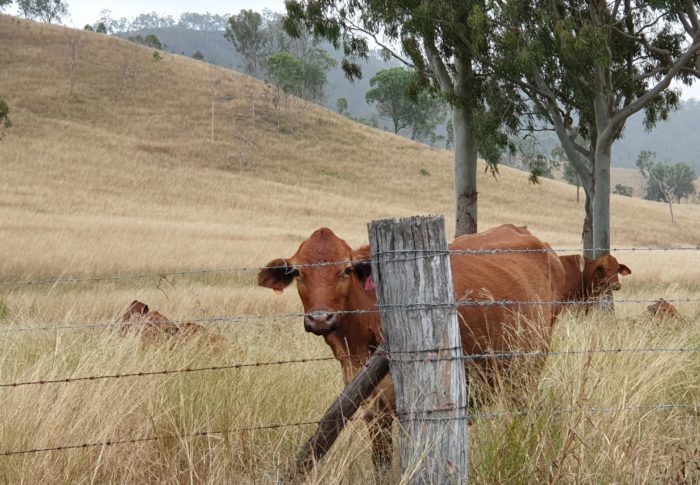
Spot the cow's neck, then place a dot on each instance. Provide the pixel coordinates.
(357, 334)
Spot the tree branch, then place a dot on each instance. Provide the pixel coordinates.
(438, 67)
(649, 96)
(564, 137)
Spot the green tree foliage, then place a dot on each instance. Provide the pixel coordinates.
(151, 40)
(5, 3)
(587, 66)
(4, 117)
(400, 96)
(316, 65)
(285, 72)
(245, 31)
(625, 190)
(427, 111)
(198, 55)
(44, 10)
(389, 91)
(89, 28)
(445, 42)
(341, 104)
(101, 28)
(665, 183)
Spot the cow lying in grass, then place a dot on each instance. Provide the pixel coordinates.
(155, 327)
(332, 278)
(663, 309)
(587, 280)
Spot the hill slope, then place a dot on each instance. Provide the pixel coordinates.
(123, 175)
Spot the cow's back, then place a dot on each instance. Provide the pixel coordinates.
(519, 276)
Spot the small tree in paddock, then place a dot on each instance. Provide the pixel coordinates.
(73, 50)
(127, 72)
(341, 105)
(665, 183)
(624, 190)
(4, 118)
(198, 55)
(286, 73)
(214, 79)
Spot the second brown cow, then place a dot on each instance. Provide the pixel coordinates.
(588, 279)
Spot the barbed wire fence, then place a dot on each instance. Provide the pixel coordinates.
(431, 355)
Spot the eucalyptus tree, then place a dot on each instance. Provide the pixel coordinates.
(586, 66)
(445, 42)
(249, 36)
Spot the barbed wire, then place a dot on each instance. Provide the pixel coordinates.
(269, 427)
(47, 327)
(241, 269)
(428, 414)
(356, 357)
(147, 373)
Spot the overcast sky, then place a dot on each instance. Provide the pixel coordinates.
(88, 11)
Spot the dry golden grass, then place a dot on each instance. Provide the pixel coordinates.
(115, 180)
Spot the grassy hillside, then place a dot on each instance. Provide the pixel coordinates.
(122, 177)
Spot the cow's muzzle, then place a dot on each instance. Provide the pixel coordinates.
(321, 322)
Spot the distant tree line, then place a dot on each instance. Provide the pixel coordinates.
(152, 20)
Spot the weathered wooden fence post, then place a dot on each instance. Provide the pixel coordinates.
(415, 295)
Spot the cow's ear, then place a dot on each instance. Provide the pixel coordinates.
(624, 270)
(277, 274)
(137, 308)
(362, 266)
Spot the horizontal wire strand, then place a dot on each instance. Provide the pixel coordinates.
(555, 412)
(387, 354)
(241, 269)
(47, 327)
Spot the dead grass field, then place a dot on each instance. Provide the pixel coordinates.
(117, 179)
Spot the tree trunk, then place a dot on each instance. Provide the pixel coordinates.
(601, 200)
(587, 233)
(465, 172)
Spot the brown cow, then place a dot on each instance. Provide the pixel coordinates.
(663, 309)
(588, 279)
(155, 326)
(330, 288)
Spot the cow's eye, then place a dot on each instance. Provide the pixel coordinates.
(347, 271)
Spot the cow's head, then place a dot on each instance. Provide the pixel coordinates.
(327, 272)
(136, 309)
(604, 274)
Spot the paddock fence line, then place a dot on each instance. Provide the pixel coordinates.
(428, 355)
(424, 417)
(425, 355)
(161, 275)
(48, 326)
